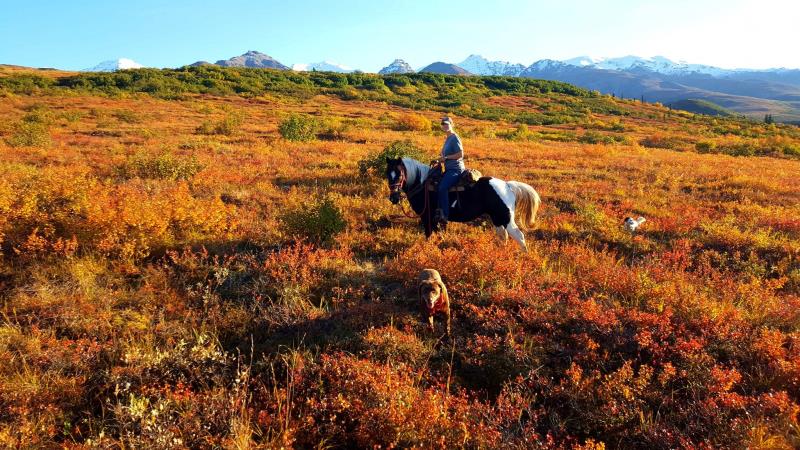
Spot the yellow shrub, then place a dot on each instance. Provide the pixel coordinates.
(412, 122)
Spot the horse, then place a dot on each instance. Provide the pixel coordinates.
(502, 201)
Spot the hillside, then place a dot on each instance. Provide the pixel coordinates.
(701, 107)
(206, 257)
(752, 94)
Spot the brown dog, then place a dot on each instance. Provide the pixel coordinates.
(433, 296)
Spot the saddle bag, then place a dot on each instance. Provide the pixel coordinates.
(467, 179)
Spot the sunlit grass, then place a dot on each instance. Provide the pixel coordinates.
(178, 273)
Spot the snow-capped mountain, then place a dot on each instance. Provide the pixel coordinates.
(397, 66)
(545, 65)
(583, 61)
(478, 65)
(114, 65)
(658, 64)
(324, 66)
(658, 79)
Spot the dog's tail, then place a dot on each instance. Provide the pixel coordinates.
(527, 204)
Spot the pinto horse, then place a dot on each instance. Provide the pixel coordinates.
(502, 200)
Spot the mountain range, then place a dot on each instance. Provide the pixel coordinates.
(753, 93)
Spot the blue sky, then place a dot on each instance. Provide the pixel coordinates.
(368, 35)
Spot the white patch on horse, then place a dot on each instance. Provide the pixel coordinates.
(505, 193)
(510, 200)
(393, 175)
(415, 171)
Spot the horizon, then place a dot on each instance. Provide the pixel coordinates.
(363, 36)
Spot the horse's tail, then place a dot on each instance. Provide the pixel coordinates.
(527, 204)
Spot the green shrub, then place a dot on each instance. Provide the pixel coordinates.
(71, 115)
(743, 149)
(317, 220)
(228, 126)
(29, 134)
(791, 150)
(298, 128)
(39, 114)
(375, 163)
(556, 135)
(662, 141)
(705, 147)
(593, 137)
(162, 167)
(127, 116)
(26, 84)
(521, 133)
(333, 128)
(617, 126)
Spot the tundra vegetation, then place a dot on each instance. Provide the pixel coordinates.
(206, 257)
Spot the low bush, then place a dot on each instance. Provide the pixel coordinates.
(663, 141)
(705, 147)
(317, 220)
(162, 167)
(29, 134)
(593, 137)
(298, 128)
(412, 122)
(39, 114)
(791, 150)
(521, 133)
(228, 126)
(127, 116)
(375, 163)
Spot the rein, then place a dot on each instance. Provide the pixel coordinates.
(423, 185)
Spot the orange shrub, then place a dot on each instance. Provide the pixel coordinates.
(412, 122)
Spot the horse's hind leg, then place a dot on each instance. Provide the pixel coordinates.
(516, 234)
(501, 233)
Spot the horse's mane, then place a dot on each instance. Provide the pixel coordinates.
(415, 171)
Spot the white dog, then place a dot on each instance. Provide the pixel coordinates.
(632, 224)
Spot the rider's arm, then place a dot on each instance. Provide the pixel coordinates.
(458, 155)
(452, 143)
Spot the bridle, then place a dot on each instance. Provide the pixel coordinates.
(397, 187)
(401, 179)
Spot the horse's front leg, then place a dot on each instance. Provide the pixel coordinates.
(426, 224)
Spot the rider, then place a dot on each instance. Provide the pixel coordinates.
(453, 160)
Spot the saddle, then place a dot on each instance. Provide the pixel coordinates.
(467, 179)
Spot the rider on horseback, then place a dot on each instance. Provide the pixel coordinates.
(453, 160)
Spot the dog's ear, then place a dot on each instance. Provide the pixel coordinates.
(444, 296)
(419, 290)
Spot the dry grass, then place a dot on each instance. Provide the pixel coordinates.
(146, 306)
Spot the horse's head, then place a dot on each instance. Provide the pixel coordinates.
(396, 177)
